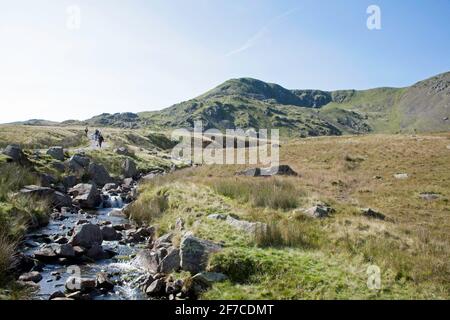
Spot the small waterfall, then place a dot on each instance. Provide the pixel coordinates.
(113, 202)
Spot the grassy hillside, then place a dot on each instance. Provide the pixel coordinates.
(300, 257)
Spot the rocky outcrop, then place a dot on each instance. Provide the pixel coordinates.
(86, 196)
(194, 253)
(320, 210)
(56, 153)
(369, 213)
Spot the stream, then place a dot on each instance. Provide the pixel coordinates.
(123, 274)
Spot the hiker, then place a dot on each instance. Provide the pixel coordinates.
(96, 134)
(100, 140)
(86, 131)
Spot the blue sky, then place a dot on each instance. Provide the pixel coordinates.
(139, 55)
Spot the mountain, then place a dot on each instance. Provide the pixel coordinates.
(251, 103)
(246, 102)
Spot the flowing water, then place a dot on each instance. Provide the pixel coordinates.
(55, 275)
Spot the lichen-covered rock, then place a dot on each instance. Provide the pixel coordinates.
(194, 253)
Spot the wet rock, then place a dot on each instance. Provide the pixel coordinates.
(117, 213)
(96, 252)
(129, 169)
(156, 288)
(65, 251)
(110, 234)
(103, 282)
(87, 235)
(372, 214)
(171, 262)
(46, 253)
(123, 227)
(86, 196)
(81, 221)
(56, 294)
(15, 153)
(33, 276)
(320, 210)
(56, 153)
(128, 182)
(194, 253)
(60, 200)
(99, 175)
(140, 234)
(74, 284)
(109, 186)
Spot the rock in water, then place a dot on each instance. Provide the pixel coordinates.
(86, 196)
(87, 235)
(194, 253)
(16, 154)
(129, 168)
(110, 234)
(156, 287)
(99, 174)
(102, 281)
(33, 276)
(56, 153)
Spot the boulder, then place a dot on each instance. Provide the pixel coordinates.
(147, 260)
(69, 181)
(103, 282)
(47, 180)
(78, 163)
(59, 166)
(46, 254)
(33, 276)
(110, 234)
(319, 211)
(194, 253)
(65, 251)
(96, 252)
(282, 170)
(56, 294)
(56, 153)
(61, 200)
(87, 235)
(401, 176)
(164, 241)
(16, 154)
(123, 151)
(129, 169)
(86, 196)
(209, 278)
(171, 262)
(246, 226)
(156, 288)
(74, 284)
(109, 187)
(99, 174)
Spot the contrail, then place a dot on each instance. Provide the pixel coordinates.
(260, 34)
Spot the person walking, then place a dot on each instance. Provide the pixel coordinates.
(100, 140)
(86, 131)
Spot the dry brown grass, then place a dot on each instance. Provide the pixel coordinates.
(356, 172)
